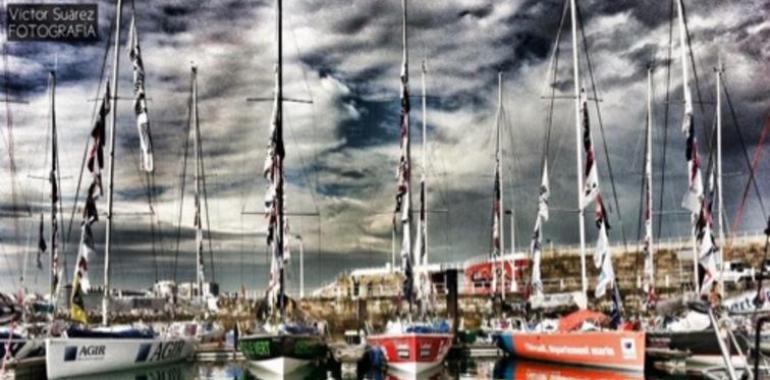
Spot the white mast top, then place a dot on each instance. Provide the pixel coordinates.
(579, 160)
(111, 165)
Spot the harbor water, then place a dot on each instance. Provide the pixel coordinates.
(464, 368)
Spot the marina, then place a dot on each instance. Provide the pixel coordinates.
(201, 192)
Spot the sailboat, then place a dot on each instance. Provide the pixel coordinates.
(15, 340)
(280, 347)
(84, 350)
(580, 338)
(408, 346)
(695, 333)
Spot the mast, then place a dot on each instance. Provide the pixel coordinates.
(499, 157)
(579, 160)
(111, 166)
(198, 166)
(720, 69)
(649, 264)
(423, 177)
(406, 165)
(54, 191)
(688, 114)
(279, 137)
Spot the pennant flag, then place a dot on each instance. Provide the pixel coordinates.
(41, 246)
(694, 195)
(603, 254)
(590, 175)
(80, 282)
(95, 161)
(706, 245)
(273, 172)
(403, 190)
(140, 99)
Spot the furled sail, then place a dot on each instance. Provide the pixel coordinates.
(603, 253)
(537, 236)
(403, 187)
(140, 99)
(590, 174)
(273, 172)
(694, 195)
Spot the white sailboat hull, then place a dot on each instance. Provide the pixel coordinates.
(68, 357)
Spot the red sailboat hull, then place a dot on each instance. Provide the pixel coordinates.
(619, 350)
(413, 352)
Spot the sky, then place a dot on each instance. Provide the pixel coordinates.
(342, 149)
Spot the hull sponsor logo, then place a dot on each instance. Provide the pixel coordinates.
(82, 353)
(162, 352)
(628, 348)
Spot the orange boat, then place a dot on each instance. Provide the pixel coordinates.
(611, 349)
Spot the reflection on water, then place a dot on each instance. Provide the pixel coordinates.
(468, 368)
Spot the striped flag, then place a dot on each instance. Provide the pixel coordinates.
(140, 99)
(706, 243)
(603, 253)
(403, 186)
(80, 282)
(95, 161)
(590, 174)
(694, 195)
(273, 172)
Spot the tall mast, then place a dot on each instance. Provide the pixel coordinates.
(720, 69)
(405, 166)
(499, 158)
(649, 266)
(198, 167)
(688, 113)
(111, 166)
(54, 191)
(423, 177)
(279, 136)
(579, 160)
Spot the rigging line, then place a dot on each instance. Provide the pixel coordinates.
(559, 137)
(552, 71)
(754, 164)
(313, 193)
(88, 140)
(11, 158)
(666, 113)
(182, 179)
(744, 150)
(601, 126)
